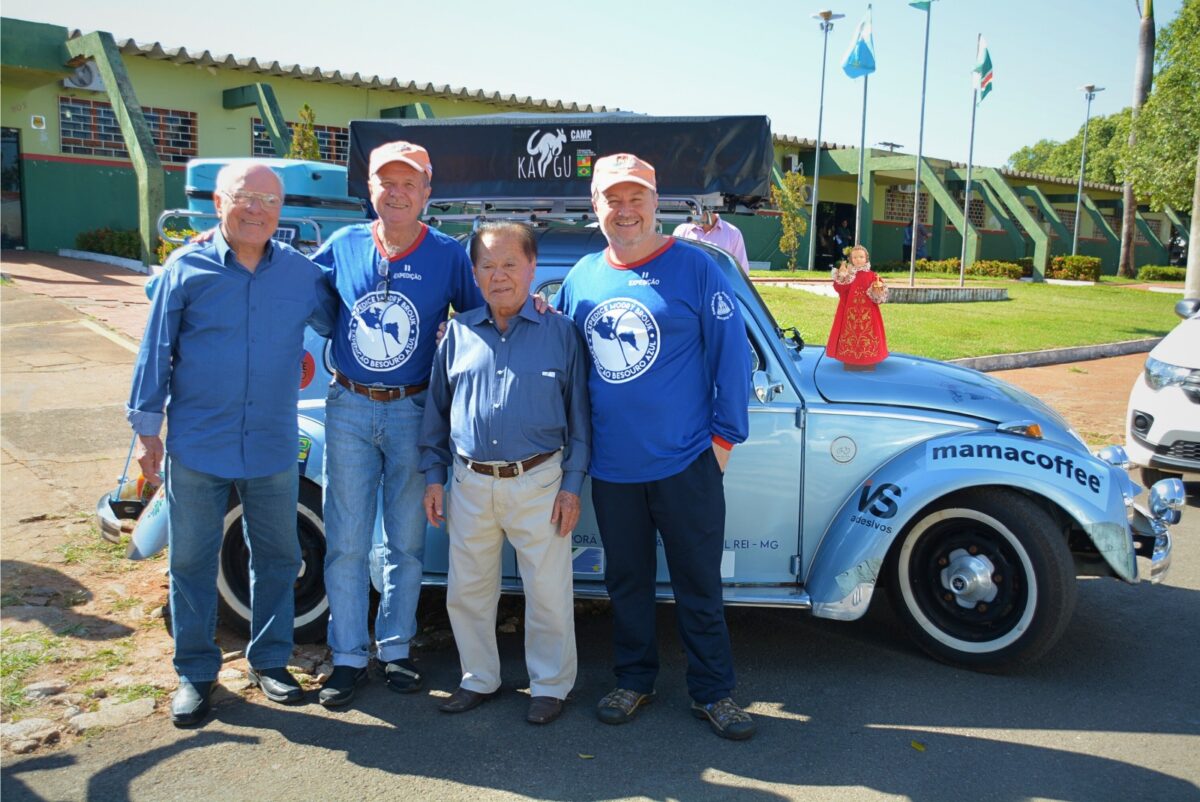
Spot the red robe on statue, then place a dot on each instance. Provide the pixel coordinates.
(857, 336)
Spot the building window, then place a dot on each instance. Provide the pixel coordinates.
(898, 204)
(89, 128)
(979, 211)
(333, 141)
(1067, 216)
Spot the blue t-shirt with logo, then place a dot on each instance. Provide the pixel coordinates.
(390, 308)
(670, 360)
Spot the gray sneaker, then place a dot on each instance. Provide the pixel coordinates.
(726, 718)
(620, 705)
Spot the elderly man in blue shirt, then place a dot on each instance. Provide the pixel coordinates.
(221, 354)
(508, 411)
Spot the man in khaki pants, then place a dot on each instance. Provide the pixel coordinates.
(508, 411)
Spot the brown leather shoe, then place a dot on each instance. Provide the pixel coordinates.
(465, 699)
(544, 709)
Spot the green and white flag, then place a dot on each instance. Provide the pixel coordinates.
(983, 70)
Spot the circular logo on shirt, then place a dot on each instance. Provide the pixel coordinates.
(623, 338)
(722, 305)
(384, 327)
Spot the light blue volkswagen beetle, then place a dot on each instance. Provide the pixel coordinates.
(972, 503)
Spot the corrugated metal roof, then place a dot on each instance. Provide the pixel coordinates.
(204, 58)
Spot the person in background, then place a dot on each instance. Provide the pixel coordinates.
(712, 229)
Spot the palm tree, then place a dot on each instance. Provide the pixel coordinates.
(1143, 74)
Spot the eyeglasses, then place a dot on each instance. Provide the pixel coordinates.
(244, 199)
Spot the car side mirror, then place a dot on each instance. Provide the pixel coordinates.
(1187, 307)
(764, 390)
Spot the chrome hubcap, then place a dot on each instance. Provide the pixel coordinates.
(969, 578)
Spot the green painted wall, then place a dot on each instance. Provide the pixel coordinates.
(62, 199)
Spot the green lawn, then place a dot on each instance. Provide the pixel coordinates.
(1038, 316)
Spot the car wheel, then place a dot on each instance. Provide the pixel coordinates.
(233, 577)
(984, 581)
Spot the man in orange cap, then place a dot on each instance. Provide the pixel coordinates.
(661, 322)
(395, 278)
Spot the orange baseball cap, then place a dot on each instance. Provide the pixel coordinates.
(414, 156)
(619, 168)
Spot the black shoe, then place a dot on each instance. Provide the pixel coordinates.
(401, 675)
(464, 699)
(277, 684)
(338, 690)
(726, 718)
(190, 705)
(619, 706)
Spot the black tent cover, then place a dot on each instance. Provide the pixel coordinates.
(551, 156)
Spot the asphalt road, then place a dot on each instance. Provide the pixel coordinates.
(846, 711)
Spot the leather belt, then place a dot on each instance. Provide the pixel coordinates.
(379, 393)
(509, 469)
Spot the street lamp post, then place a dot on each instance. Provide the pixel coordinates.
(826, 17)
(1089, 91)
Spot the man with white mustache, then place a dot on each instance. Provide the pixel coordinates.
(395, 278)
(669, 385)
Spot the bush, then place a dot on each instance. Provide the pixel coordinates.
(127, 244)
(1161, 273)
(1026, 263)
(995, 267)
(1075, 268)
(923, 266)
(165, 248)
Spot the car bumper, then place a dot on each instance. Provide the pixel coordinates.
(1152, 541)
(1166, 444)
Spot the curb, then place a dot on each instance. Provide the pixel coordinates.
(116, 261)
(1055, 356)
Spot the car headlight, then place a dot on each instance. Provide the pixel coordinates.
(1161, 374)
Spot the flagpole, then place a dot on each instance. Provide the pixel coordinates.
(962, 264)
(862, 145)
(826, 27)
(916, 230)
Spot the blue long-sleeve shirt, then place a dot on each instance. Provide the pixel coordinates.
(503, 397)
(222, 354)
(670, 367)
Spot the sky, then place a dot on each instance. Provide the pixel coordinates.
(695, 58)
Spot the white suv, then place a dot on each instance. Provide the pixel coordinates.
(1162, 427)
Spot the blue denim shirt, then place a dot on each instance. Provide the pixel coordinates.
(506, 397)
(222, 353)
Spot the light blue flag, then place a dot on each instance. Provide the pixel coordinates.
(860, 58)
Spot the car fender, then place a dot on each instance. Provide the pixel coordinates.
(850, 554)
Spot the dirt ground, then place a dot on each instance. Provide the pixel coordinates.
(73, 609)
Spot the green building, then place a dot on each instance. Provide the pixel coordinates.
(90, 124)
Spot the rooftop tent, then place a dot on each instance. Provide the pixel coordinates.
(551, 156)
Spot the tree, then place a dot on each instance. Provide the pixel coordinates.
(304, 138)
(1165, 166)
(789, 200)
(1106, 148)
(1033, 158)
(1143, 74)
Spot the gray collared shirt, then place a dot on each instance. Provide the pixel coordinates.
(504, 397)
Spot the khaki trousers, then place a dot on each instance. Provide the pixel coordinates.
(480, 513)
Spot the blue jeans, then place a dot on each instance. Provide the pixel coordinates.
(369, 443)
(196, 508)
